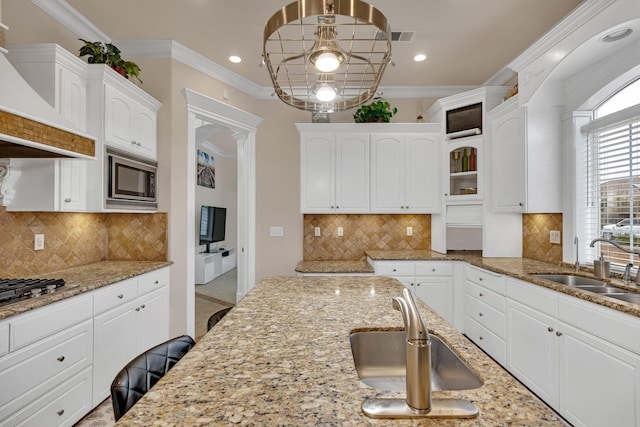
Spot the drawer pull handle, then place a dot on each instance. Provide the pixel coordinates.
(558, 334)
(481, 338)
(156, 282)
(480, 314)
(120, 296)
(60, 412)
(61, 359)
(550, 329)
(481, 294)
(480, 279)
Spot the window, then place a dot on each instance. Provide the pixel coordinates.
(613, 174)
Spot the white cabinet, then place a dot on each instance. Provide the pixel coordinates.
(49, 348)
(334, 173)
(128, 123)
(484, 306)
(211, 265)
(431, 281)
(464, 180)
(404, 173)
(136, 319)
(581, 358)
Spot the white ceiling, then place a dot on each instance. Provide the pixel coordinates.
(467, 41)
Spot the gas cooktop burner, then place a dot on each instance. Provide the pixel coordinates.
(16, 290)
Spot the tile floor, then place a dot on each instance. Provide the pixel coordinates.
(211, 297)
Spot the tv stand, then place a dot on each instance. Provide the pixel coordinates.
(213, 264)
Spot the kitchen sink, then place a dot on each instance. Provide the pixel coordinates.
(570, 280)
(592, 285)
(610, 290)
(380, 361)
(629, 297)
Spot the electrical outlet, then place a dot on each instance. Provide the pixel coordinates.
(409, 231)
(38, 242)
(340, 231)
(316, 231)
(554, 237)
(276, 231)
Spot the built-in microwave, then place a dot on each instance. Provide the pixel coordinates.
(464, 121)
(130, 182)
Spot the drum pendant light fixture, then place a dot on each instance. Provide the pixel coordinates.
(326, 55)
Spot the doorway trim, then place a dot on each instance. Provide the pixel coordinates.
(242, 126)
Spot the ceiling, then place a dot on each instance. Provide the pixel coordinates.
(467, 41)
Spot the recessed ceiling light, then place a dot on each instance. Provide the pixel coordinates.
(235, 59)
(616, 35)
(420, 57)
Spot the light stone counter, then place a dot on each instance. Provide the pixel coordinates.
(282, 357)
(85, 278)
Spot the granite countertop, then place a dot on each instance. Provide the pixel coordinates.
(334, 267)
(519, 268)
(282, 357)
(85, 278)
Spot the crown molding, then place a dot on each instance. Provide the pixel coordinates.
(77, 23)
(422, 91)
(575, 20)
(504, 75)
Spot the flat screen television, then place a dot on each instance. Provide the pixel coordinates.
(213, 222)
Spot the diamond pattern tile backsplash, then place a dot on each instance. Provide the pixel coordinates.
(73, 239)
(363, 232)
(535, 237)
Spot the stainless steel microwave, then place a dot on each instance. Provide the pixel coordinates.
(130, 182)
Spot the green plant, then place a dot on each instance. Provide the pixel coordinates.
(378, 111)
(108, 54)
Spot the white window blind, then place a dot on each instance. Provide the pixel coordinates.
(613, 184)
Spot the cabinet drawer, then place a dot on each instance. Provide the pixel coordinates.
(487, 316)
(393, 269)
(485, 295)
(43, 322)
(153, 280)
(489, 280)
(63, 405)
(533, 296)
(4, 338)
(42, 366)
(433, 268)
(493, 345)
(115, 295)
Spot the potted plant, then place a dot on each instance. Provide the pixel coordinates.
(378, 111)
(108, 54)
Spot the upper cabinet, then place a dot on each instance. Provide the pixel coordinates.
(369, 168)
(465, 178)
(123, 114)
(334, 173)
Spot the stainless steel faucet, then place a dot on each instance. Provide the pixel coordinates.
(627, 270)
(418, 353)
(575, 241)
(418, 402)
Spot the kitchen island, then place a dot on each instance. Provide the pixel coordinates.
(282, 357)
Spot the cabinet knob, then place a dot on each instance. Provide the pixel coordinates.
(394, 270)
(406, 207)
(337, 207)
(137, 308)
(139, 144)
(67, 200)
(558, 334)
(142, 306)
(331, 207)
(417, 284)
(433, 269)
(550, 329)
(156, 282)
(520, 204)
(480, 279)
(446, 194)
(481, 338)
(60, 412)
(480, 294)
(133, 142)
(120, 296)
(480, 314)
(61, 359)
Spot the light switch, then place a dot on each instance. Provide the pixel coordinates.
(38, 242)
(316, 231)
(340, 231)
(554, 236)
(276, 231)
(409, 231)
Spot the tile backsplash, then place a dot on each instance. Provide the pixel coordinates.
(73, 239)
(363, 232)
(535, 237)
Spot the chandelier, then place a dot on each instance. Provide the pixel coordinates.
(326, 55)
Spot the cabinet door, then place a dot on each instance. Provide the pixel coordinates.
(317, 173)
(352, 173)
(508, 162)
(153, 319)
(532, 350)
(437, 293)
(145, 132)
(387, 174)
(73, 185)
(599, 381)
(72, 98)
(119, 112)
(421, 183)
(115, 344)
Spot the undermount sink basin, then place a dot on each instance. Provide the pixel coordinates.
(380, 361)
(570, 280)
(592, 285)
(629, 297)
(609, 290)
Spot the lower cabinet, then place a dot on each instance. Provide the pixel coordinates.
(581, 358)
(123, 332)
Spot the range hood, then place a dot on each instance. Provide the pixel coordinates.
(30, 127)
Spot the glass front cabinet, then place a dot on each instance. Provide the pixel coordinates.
(464, 179)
